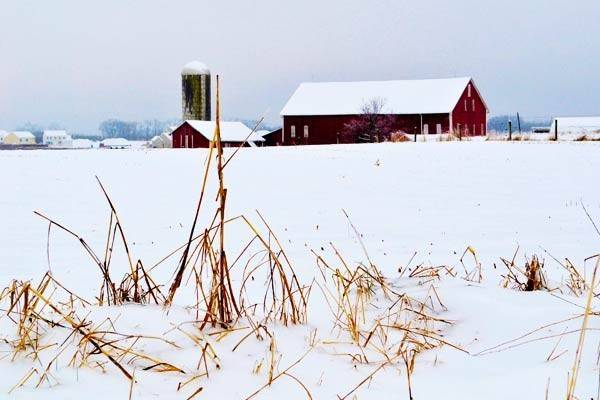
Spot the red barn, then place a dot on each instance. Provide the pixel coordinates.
(194, 134)
(318, 112)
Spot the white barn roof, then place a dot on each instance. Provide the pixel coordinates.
(425, 96)
(230, 131)
(577, 124)
(115, 142)
(24, 135)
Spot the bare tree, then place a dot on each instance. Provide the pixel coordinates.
(372, 125)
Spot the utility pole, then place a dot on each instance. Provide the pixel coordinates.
(509, 130)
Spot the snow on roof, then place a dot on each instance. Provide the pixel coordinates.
(3, 134)
(55, 133)
(115, 142)
(230, 131)
(425, 96)
(82, 143)
(195, 68)
(262, 133)
(24, 134)
(577, 124)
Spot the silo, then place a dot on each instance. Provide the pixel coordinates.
(195, 81)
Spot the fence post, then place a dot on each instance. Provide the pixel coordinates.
(509, 130)
(555, 130)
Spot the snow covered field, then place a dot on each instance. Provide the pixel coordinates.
(413, 203)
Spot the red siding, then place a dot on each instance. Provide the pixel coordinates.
(272, 138)
(194, 138)
(472, 122)
(327, 129)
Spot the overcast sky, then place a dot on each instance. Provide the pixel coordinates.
(76, 63)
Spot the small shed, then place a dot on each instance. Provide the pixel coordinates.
(273, 138)
(83, 144)
(197, 134)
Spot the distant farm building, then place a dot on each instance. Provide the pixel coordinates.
(162, 141)
(195, 134)
(115, 143)
(318, 113)
(19, 138)
(57, 139)
(3, 134)
(84, 144)
(273, 138)
(576, 125)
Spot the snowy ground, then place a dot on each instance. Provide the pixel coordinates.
(435, 199)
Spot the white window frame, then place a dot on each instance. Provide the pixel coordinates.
(438, 129)
(469, 90)
(473, 105)
(425, 129)
(293, 131)
(305, 131)
(465, 104)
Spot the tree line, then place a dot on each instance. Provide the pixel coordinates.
(134, 130)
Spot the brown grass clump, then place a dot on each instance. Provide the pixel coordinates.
(376, 323)
(531, 278)
(34, 313)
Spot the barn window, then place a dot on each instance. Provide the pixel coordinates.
(293, 131)
(465, 104)
(438, 129)
(305, 131)
(469, 90)
(473, 105)
(426, 129)
(474, 131)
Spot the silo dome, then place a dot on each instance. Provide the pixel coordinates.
(195, 68)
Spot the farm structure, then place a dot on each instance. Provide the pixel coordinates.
(195, 134)
(57, 139)
(19, 138)
(273, 138)
(576, 125)
(319, 113)
(115, 143)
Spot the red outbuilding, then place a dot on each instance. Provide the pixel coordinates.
(319, 113)
(194, 134)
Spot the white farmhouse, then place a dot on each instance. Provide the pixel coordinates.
(57, 139)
